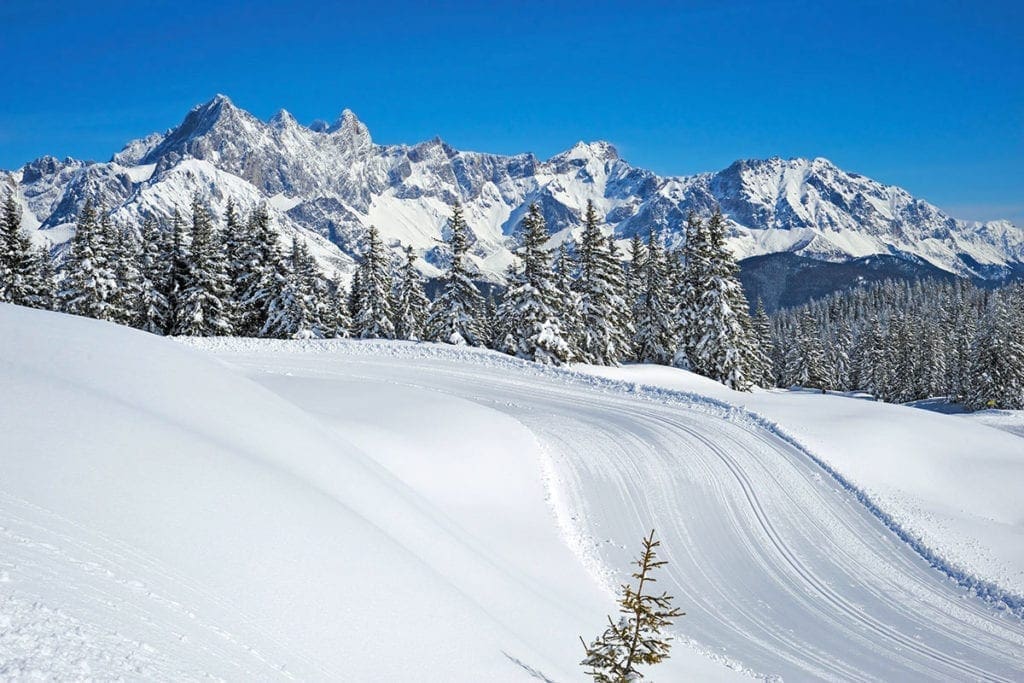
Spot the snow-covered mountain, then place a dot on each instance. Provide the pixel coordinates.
(332, 180)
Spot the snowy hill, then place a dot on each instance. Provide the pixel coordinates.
(260, 509)
(333, 180)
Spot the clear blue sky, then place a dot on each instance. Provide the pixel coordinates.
(927, 95)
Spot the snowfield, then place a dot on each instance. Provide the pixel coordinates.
(258, 509)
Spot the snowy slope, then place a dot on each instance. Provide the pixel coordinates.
(781, 570)
(395, 511)
(333, 181)
(162, 516)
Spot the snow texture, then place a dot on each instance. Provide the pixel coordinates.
(371, 510)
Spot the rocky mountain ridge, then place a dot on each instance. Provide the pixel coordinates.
(329, 181)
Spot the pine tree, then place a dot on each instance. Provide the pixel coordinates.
(44, 284)
(291, 311)
(763, 372)
(242, 256)
(372, 318)
(637, 638)
(411, 302)
(203, 304)
(606, 327)
(454, 316)
(88, 284)
(265, 276)
(19, 266)
(528, 313)
(153, 306)
(126, 257)
(717, 324)
(654, 339)
(568, 301)
(806, 364)
(338, 320)
(695, 267)
(997, 371)
(179, 254)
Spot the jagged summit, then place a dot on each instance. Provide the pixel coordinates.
(331, 181)
(598, 150)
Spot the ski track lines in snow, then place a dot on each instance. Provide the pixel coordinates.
(778, 564)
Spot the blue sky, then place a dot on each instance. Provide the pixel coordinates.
(929, 96)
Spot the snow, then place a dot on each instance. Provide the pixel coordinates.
(185, 521)
(140, 174)
(948, 481)
(283, 202)
(254, 509)
(1011, 421)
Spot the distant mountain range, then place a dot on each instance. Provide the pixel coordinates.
(331, 181)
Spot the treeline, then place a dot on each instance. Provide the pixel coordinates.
(904, 342)
(199, 276)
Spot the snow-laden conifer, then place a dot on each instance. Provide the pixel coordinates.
(88, 282)
(455, 314)
(528, 315)
(411, 302)
(654, 339)
(203, 302)
(372, 318)
(606, 327)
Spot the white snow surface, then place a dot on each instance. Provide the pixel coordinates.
(258, 509)
(949, 481)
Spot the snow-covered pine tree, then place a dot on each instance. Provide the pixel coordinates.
(763, 372)
(568, 302)
(637, 638)
(126, 256)
(44, 285)
(178, 251)
(352, 296)
(719, 321)
(411, 302)
(454, 316)
(262, 273)
(19, 268)
(372, 318)
(242, 254)
(996, 378)
(88, 282)
(528, 313)
(290, 311)
(634, 275)
(605, 325)
(806, 363)
(695, 269)
(152, 305)
(313, 287)
(203, 305)
(654, 338)
(338, 320)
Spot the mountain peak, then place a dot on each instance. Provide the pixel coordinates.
(348, 126)
(599, 150)
(283, 119)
